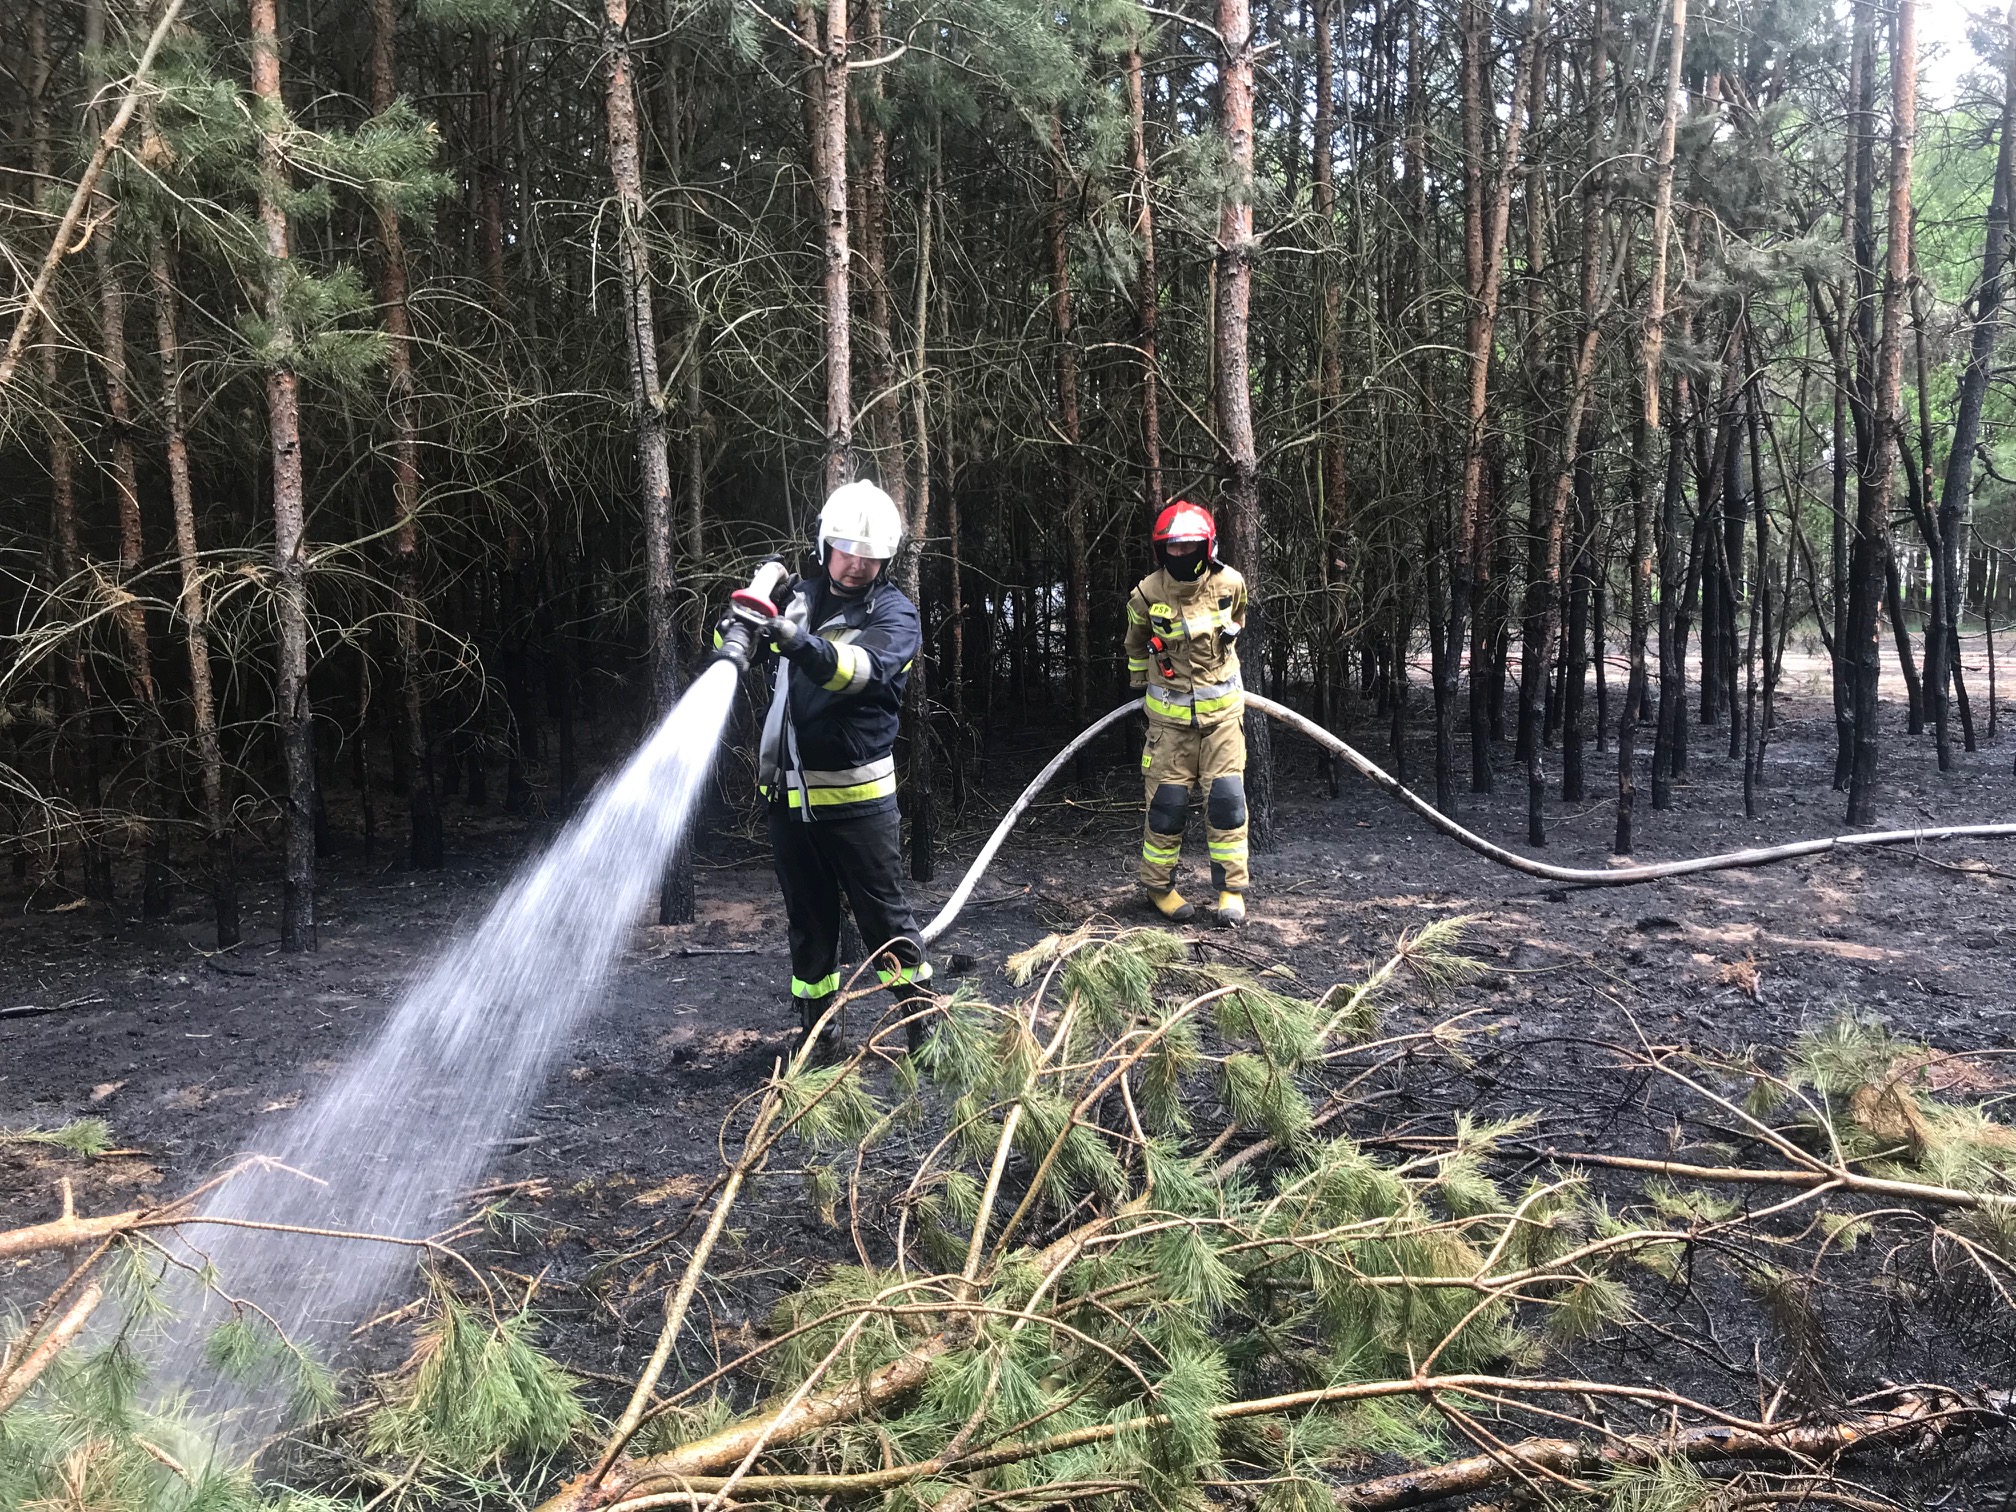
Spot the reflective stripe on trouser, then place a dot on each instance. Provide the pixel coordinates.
(863, 856)
(1192, 761)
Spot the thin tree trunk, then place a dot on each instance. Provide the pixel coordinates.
(1078, 614)
(1148, 290)
(1546, 619)
(654, 467)
(130, 611)
(220, 864)
(1956, 494)
(290, 547)
(1333, 504)
(923, 864)
(1484, 244)
(1239, 458)
(830, 166)
(1871, 552)
(1652, 349)
(76, 760)
(423, 813)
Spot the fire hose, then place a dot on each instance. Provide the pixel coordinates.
(1614, 876)
(750, 608)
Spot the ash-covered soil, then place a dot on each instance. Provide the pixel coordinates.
(191, 1055)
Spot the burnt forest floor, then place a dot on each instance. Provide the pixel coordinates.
(190, 1055)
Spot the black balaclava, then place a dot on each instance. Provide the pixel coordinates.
(1185, 569)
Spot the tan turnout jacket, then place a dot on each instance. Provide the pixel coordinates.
(1182, 646)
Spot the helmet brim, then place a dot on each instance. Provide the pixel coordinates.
(867, 550)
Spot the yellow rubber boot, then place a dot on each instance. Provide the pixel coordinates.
(1231, 908)
(1172, 906)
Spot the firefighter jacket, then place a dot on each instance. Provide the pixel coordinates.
(1182, 646)
(829, 739)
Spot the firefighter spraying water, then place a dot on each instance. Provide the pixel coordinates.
(845, 639)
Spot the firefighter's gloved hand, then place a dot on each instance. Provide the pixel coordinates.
(812, 652)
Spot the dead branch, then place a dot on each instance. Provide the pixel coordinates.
(15, 1383)
(1927, 1413)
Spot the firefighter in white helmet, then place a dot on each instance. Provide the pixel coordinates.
(847, 638)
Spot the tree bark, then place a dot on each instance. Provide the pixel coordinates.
(923, 861)
(1651, 352)
(1147, 290)
(1484, 248)
(1078, 618)
(1333, 509)
(654, 467)
(830, 167)
(290, 546)
(1956, 492)
(1871, 551)
(423, 813)
(1546, 619)
(220, 863)
(1238, 456)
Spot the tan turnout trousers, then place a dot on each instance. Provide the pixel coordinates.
(1175, 761)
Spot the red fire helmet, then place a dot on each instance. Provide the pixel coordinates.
(1184, 521)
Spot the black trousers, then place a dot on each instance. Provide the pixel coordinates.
(865, 856)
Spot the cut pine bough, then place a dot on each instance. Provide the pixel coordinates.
(1379, 777)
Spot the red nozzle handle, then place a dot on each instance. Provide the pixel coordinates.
(752, 603)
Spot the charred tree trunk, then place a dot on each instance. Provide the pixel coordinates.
(1956, 492)
(1486, 214)
(1544, 623)
(1871, 555)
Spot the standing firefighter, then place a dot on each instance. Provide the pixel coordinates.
(1183, 624)
(847, 638)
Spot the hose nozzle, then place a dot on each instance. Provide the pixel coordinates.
(748, 610)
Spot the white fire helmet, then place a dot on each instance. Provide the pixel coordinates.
(862, 520)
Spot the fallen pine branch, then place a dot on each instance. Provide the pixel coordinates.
(1930, 1413)
(14, 1383)
(1729, 1438)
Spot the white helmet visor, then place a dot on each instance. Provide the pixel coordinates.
(872, 550)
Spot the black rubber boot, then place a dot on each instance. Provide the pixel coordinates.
(810, 1011)
(915, 1001)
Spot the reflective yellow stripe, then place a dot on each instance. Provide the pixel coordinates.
(853, 667)
(1160, 852)
(826, 986)
(1135, 616)
(903, 975)
(1137, 664)
(1157, 704)
(1213, 705)
(1227, 850)
(860, 792)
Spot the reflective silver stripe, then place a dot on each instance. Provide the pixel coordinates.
(1215, 690)
(852, 776)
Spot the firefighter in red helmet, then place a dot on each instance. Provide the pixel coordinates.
(1183, 624)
